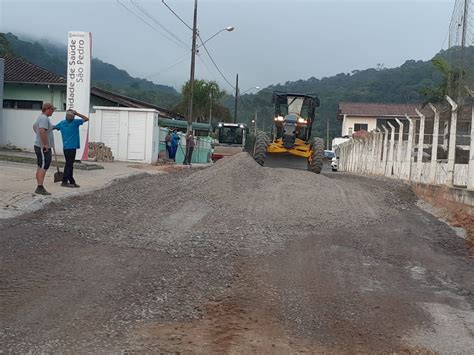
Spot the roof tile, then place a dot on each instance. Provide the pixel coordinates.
(19, 71)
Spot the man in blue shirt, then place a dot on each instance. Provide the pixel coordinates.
(69, 129)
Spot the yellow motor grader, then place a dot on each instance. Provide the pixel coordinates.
(291, 132)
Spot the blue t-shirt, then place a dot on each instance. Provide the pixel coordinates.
(70, 133)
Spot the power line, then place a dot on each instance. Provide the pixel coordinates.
(204, 64)
(149, 25)
(174, 13)
(213, 62)
(142, 10)
(179, 61)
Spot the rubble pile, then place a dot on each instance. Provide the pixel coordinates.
(100, 152)
(232, 175)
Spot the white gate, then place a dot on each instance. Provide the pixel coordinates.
(110, 130)
(136, 136)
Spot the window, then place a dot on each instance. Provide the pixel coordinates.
(23, 104)
(360, 127)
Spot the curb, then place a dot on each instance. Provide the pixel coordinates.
(41, 202)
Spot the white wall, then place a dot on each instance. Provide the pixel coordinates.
(16, 128)
(349, 121)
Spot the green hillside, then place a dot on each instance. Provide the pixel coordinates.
(53, 58)
(397, 85)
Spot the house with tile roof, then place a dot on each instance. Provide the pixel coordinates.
(358, 116)
(27, 86)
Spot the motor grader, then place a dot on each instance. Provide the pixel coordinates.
(291, 133)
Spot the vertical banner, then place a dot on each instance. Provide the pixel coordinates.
(79, 54)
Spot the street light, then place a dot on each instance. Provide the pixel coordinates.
(228, 29)
(252, 88)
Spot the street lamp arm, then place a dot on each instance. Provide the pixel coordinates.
(228, 29)
(252, 88)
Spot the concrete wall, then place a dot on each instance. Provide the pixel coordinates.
(16, 129)
(2, 75)
(387, 153)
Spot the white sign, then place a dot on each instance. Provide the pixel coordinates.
(79, 54)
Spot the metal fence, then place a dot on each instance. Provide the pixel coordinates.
(435, 148)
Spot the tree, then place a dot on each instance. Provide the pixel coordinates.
(207, 99)
(449, 84)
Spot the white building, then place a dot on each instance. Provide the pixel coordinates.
(357, 116)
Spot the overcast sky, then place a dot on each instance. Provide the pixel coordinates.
(274, 40)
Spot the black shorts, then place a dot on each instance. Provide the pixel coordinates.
(43, 159)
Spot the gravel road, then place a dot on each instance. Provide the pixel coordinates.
(236, 258)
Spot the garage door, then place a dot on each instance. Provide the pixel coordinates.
(136, 136)
(110, 130)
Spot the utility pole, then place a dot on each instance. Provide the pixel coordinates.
(465, 23)
(255, 127)
(327, 133)
(236, 97)
(193, 64)
(210, 109)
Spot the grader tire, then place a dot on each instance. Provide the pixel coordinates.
(317, 156)
(260, 148)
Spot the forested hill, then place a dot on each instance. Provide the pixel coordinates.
(383, 85)
(396, 85)
(53, 58)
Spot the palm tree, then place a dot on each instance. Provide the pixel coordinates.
(449, 85)
(207, 97)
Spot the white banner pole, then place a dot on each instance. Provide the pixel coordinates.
(79, 56)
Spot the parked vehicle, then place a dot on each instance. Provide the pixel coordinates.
(334, 163)
(329, 154)
(230, 140)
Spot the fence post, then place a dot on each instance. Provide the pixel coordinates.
(366, 154)
(470, 170)
(452, 141)
(434, 147)
(399, 148)
(379, 152)
(351, 155)
(409, 145)
(389, 170)
(358, 167)
(372, 153)
(421, 143)
(385, 150)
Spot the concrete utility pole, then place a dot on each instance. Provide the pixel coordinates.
(465, 23)
(327, 133)
(193, 64)
(236, 97)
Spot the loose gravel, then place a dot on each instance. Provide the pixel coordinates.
(132, 266)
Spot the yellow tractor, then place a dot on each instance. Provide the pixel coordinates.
(291, 132)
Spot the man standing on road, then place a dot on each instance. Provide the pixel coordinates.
(174, 144)
(189, 148)
(43, 143)
(69, 129)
